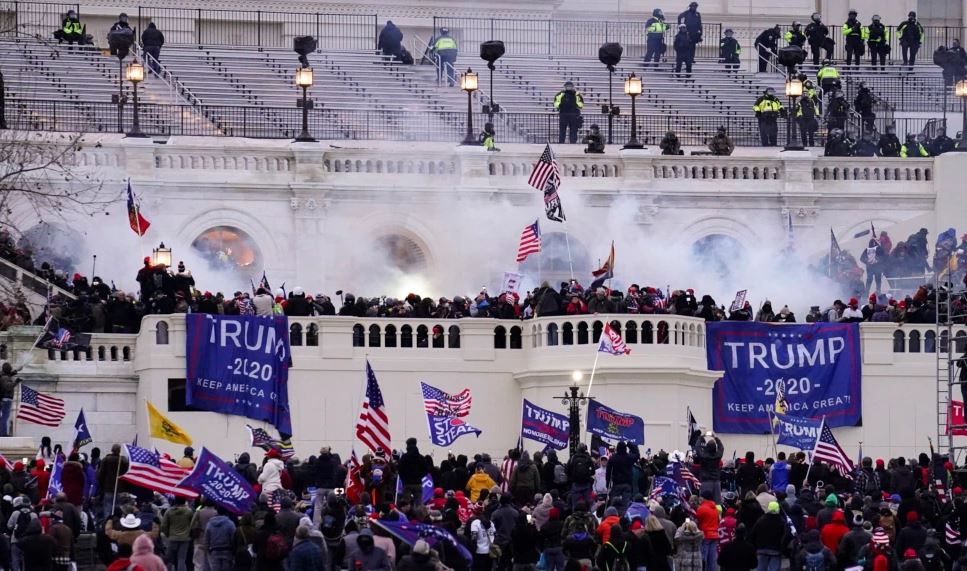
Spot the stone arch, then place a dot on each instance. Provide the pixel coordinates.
(263, 237)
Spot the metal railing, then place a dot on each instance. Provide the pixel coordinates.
(568, 37)
(33, 18)
(905, 92)
(933, 37)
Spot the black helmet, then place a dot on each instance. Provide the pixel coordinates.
(728, 31)
(693, 5)
(816, 17)
(912, 14)
(721, 128)
(796, 23)
(876, 17)
(657, 13)
(770, 91)
(594, 127)
(852, 13)
(489, 127)
(826, 62)
(911, 137)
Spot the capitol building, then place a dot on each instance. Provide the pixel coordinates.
(382, 199)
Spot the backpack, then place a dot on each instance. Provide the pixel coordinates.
(815, 562)
(560, 474)
(23, 521)
(579, 522)
(276, 548)
(583, 470)
(620, 561)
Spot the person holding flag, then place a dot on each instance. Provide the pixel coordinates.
(708, 456)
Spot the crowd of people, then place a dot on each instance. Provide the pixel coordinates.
(610, 509)
(97, 307)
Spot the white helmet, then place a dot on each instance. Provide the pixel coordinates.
(297, 290)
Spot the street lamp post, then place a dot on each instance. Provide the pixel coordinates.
(793, 91)
(468, 83)
(961, 91)
(161, 256)
(574, 400)
(135, 74)
(633, 89)
(303, 78)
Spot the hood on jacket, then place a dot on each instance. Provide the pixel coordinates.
(143, 545)
(244, 458)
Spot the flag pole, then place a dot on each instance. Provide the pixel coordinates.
(812, 455)
(117, 477)
(570, 264)
(594, 367)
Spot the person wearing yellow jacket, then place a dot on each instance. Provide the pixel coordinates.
(878, 41)
(768, 109)
(478, 482)
(856, 34)
(568, 103)
(912, 148)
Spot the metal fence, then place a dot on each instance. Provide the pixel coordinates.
(360, 124)
(905, 92)
(32, 18)
(933, 37)
(566, 37)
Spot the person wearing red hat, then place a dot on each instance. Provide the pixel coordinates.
(271, 477)
(833, 532)
(913, 535)
(852, 313)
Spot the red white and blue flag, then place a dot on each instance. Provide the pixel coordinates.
(154, 472)
(38, 408)
(828, 450)
(611, 342)
(530, 241)
(439, 403)
(138, 223)
(372, 428)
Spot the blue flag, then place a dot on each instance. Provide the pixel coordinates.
(544, 426)
(239, 364)
(445, 429)
(609, 423)
(82, 434)
(815, 367)
(220, 483)
(427, 485)
(56, 485)
(663, 486)
(796, 431)
(409, 533)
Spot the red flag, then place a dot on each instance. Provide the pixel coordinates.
(138, 223)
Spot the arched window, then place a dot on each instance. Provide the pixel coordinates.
(422, 336)
(406, 336)
(914, 341)
(930, 342)
(161, 333)
(359, 335)
(631, 332)
(295, 335)
(647, 333)
(552, 334)
(899, 341)
(101, 353)
(454, 340)
(596, 334)
(125, 354)
(583, 333)
(229, 248)
(374, 336)
(944, 342)
(662, 333)
(390, 336)
(515, 340)
(500, 337)
(567, 333)
(960, 342)
(438, 337)
(312, 335)
(114, 354)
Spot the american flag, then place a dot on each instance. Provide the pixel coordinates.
(286, 449)
(275, 500)
(372, 428)
(663, 486)
(260, 437)
(62, 337)
(38, 408)
(952, 535)
(354, 483)
(152, 471)
(506, 473)
(829, 451)
(684, 477)
(545, 170)
(530, 241)
(439, 403)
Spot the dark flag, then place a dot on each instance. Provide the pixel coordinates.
(834, 252)
(694, 432)
(82, 434)
(56, 337)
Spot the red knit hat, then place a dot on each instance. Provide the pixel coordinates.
(880, 463)
(881, 563)
(909, 553)
(912, 516)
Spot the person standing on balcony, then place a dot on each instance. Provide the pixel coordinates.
(568, 103)
(863, 103)
(767, 109)
(855, 33)
(152, 39)
(729, 51)
(445, 48)
(391, 41)
(692, 20)
(655, 36)
(807, 117)
(684, 51)
(913, 148)
(837, 111)
(910, 33)
(817, 34)
(767, 43)
(878, 40)
(889, 143)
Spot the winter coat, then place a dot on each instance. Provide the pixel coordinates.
(768, 532)
(525, 481)
(176, 523)
(737, 556)
(708, 519)
(412, 467)
(689, 555)
(661, 550)
(220, 534)
(271, 477)
(306, 556)
(144, 557)
(74, 481)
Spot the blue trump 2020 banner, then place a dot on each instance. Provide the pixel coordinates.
(816, 367)
(797, 431)
(609, 423)
(239, 365)
(544, 426)
(220, 483)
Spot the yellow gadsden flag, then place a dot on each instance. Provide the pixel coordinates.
(163, 428)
